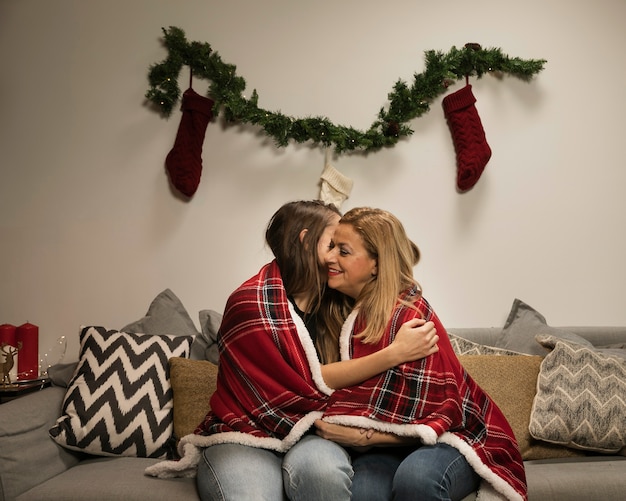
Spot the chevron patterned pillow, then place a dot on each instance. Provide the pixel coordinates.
(581, 397)
(462, 346)
(119, 401)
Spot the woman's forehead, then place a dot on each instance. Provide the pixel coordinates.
(345, 232)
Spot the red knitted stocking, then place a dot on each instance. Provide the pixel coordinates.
(184, 161)
(468, 136)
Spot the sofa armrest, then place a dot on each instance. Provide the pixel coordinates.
(28, 455)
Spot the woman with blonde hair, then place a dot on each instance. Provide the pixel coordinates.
(278, 366)
(433, 432)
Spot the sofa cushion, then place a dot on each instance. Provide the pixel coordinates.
(205, 344)
(511, 383)
(107, 478)
(27, 455)
(61, 374)
(581, 397)
(119, 401)
(193, 383)
(521, 327)
(588, 478)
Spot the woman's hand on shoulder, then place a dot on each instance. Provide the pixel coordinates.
(414, 340)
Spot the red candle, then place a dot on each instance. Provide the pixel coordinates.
(7, 334)
(28, 356)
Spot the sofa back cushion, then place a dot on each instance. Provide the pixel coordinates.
(27, 455)
(511, 382)
(193, 383)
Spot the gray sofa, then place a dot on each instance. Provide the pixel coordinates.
(34, 467)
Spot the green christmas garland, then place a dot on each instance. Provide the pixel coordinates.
(405, 103)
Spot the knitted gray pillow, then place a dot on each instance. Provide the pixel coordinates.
(581, 397)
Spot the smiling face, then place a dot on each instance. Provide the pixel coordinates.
(350, 266)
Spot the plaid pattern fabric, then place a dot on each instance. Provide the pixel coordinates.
(433, 398)
(264, 397)
(270, 401)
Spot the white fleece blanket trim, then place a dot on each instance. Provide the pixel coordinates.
(492, 487)
(346, 335)
(190, 447)
(310, 352)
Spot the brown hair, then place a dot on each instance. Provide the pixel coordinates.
(301, 270)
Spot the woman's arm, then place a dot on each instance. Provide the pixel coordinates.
(416, 339)
(360, 438)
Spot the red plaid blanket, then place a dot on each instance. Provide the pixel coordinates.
(433, 398)
(269, 385)
(270, 401)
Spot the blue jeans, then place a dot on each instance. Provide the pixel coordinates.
(317, 469)
(430, 472)
(233, 471)
(313, 469)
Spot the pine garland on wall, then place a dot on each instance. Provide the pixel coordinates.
(405, 102)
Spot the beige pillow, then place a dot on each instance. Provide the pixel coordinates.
(193, 383)
(511, 382)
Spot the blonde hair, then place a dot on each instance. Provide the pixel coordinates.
(386, 241)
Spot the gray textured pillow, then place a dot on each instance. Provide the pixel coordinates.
(521, 327)
(581, 397)
(61, 374)
(205, 345)
(166, 316)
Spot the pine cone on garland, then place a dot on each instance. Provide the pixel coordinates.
(393, 128)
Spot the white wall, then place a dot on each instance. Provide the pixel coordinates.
(90, 231)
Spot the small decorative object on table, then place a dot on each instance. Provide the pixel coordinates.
(9, 353)
(8, 340)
